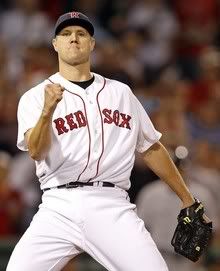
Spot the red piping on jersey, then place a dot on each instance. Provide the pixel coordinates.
(87, 128)
(97, 169)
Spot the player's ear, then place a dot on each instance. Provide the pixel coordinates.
(92, 44)
(54, 42)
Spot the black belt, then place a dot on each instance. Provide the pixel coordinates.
(81, 184)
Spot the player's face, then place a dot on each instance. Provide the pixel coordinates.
(74, 45)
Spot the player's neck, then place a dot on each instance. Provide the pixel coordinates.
(76, 73)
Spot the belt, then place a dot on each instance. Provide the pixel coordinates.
(81, 184)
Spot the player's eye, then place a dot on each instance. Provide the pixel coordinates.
(65, 33)
(81, 34)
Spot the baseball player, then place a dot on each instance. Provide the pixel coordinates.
(82, 130)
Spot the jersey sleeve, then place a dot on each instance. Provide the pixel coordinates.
(28, 113)
(147, 134)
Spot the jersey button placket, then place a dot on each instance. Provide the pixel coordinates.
(89, 97)
(94, 129)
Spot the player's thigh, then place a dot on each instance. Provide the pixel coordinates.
(46, 245)
(120, 242)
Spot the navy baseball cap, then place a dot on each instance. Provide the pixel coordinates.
(74, 18)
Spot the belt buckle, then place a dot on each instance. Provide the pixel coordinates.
(72, 185)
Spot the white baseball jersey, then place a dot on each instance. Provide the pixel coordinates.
(95, 132)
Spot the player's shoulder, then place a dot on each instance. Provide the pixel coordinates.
(115, 83)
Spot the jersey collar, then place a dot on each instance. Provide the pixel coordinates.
(59, 79)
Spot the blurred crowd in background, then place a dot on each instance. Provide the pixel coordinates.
(168, 51)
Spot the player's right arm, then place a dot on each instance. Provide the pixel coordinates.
(38, 138)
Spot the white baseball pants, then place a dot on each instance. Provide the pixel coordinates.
(98, 220)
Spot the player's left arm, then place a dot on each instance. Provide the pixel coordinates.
(159, 161)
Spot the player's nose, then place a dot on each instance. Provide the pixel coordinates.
(73, 37)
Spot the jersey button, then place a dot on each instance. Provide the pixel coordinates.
(90, 102)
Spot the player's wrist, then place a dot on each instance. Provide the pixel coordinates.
(47, 112)
(188, 201)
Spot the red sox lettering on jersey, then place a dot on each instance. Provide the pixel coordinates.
(77, 120)
(72, 121)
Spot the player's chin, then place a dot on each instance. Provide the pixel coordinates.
(76, 60)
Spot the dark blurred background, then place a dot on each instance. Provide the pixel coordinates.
(168, 52)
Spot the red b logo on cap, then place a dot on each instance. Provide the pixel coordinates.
(74, 14)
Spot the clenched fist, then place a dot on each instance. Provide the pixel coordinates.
(53, 94)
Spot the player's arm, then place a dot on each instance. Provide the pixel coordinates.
(38, 138)
(159, 161)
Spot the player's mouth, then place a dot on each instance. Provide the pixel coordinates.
(74, 46)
